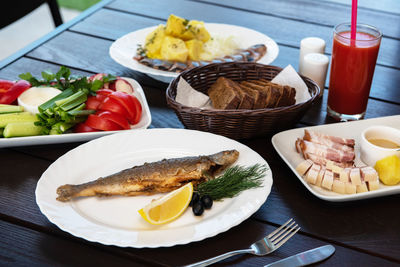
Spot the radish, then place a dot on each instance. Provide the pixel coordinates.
(98, 76)
(121, 85)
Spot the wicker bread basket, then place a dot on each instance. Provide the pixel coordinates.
(237, 123)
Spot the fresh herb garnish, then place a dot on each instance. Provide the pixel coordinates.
(63, 80)
(141, 51)
(235, 180)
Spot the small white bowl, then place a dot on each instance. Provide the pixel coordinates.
(32, 98)
(371, 153)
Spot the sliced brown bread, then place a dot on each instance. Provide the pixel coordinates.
(259, 98)
(288, 93)
(247, 101)
(275, 95)
(283, 94)
(264, 92)
(254, 94)
(292, 95)
(223, 95)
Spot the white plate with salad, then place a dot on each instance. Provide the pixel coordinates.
(115, 220)
(142, 121)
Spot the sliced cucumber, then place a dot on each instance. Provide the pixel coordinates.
(15, 129)
(10, 109)
(16, 117)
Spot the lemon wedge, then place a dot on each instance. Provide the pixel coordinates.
(168, 207)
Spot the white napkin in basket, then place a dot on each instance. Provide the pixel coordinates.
(186, 95)
(289, 76)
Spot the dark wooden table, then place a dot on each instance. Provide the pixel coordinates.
(365, 233)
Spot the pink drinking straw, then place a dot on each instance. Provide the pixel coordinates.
(353, 21)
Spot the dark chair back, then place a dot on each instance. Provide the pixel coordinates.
(17, 9)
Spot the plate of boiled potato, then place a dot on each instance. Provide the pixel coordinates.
(186, 43)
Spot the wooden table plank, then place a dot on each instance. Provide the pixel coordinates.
(20, 246)
(382, 87)
(333, 223)
(288, 199)
(385, 79)
(318, 12)
(289, 32)
(389, 6)
(100, 24)
(238, 237)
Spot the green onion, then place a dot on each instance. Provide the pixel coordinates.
(51, 103)
(72, 101)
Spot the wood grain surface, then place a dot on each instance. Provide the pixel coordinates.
(364, 233)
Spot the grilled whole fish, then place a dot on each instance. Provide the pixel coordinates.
(251, 54)
(151, 178)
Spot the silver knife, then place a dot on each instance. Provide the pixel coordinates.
(305, 258)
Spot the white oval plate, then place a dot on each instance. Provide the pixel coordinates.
(115, 220)
(124, 49)
(284, 143)
(144, 122)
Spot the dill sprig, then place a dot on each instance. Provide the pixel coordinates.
(235, 180)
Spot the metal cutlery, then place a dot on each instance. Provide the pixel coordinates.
(305, 258)
(262, 247)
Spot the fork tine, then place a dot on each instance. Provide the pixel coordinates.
(284, 234)
(278, 229)
(287, 238)
(284, 230)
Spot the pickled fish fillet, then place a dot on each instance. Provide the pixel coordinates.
(151, 178)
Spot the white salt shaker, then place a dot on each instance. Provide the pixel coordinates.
(310, 45)
(315, 67)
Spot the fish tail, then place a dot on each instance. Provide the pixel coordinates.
(66, 192)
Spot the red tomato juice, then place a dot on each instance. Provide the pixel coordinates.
(352, 68)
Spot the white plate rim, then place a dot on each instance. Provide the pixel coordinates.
(144, 123)
(386, 190)
(261, 193)
(129, 62)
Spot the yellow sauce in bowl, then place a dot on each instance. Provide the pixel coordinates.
(384, 143)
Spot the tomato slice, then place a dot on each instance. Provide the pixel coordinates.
(138, 107)
(92, 103)
(124, 99)
(104, 92)
(114, 117)
(103, 124)
(83, 128)
(14, 91)
(113, 105)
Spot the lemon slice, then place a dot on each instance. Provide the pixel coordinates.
(168, 207)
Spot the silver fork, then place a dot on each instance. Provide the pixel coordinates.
(262, 247)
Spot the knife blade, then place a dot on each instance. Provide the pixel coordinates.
(305, 258)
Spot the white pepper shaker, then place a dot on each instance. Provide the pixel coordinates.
(315, 67)
(310, 45)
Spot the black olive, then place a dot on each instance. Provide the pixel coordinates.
(198, 208)
(195, 198)
(207, 201)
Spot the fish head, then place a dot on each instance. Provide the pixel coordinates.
(223, 160)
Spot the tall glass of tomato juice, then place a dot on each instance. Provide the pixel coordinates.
(352, 68)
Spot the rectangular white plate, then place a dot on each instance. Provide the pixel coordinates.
(144, 122)
(284, 143)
